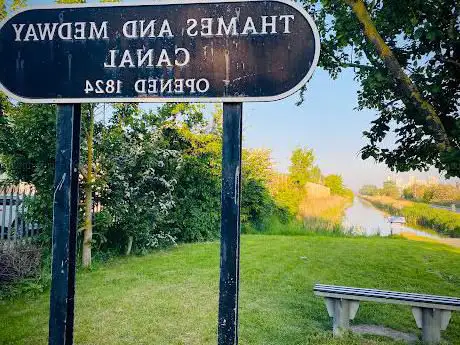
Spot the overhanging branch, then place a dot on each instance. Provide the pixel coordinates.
(412, 95)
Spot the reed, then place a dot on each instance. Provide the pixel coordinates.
(442, 221)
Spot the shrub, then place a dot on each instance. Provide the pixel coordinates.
(256, 203)
(19, 262)
(287, 194)
(196, 215)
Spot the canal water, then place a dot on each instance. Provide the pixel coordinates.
(363, 219)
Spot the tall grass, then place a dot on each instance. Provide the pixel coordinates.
(296, 227)
(325, 213)
(320, 215)
(442, 221)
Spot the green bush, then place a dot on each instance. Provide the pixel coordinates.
(196, 215)
(442, 221)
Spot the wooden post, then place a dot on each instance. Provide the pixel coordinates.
(65, 210)
(230, 225)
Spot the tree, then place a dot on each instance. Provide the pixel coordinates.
(27, 149)
(441, 193)
(335, 184)
(445, 193)
(257, 205)
(406, 56)
(18, 4)
(4, 102)
(369, 189)
(88, 187)
(196, 196)
(139, 179)
(302, 168)
(428, 195)
(390, 189)
(287, 193)
(415, 191)
(88, 176)
(2, 9)
(257, 165)
(408, 193)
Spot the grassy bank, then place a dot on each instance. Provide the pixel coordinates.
(442, 221)
(170, 297)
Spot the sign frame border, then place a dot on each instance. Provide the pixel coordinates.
(149, 99)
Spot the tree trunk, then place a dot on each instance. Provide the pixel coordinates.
(405, 84)
(130, 245)
(88, 231)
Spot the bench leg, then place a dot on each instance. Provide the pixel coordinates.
(432, 322)
(341, 311)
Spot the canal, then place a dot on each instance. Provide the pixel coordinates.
(364, 219)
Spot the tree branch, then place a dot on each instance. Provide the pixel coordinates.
(355, 65)
(351, 64)
(386, 105)
(405, 84)
(453, 62)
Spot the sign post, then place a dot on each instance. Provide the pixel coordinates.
(230, 224)
(229, 51)
(65, 209)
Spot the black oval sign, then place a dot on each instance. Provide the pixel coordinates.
(166, 51)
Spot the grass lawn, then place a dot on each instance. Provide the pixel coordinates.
(170, 297)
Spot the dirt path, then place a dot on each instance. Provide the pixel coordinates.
(453, 242)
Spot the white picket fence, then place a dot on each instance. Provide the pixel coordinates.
(14, 228)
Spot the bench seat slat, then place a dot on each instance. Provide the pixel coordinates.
(394, 294)
(398, 297)
(322, 286)
(388, 295)
(345, 289)
(385, 294)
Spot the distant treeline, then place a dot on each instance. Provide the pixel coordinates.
(443, 194)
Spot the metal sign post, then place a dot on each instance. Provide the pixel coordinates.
(229, 51)
(230, 224)
(65, 209)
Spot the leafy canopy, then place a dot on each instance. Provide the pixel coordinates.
(424, 37)
(302, 168)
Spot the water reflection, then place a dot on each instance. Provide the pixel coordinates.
(364, 219)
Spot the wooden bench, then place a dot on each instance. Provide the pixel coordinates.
(432, 313)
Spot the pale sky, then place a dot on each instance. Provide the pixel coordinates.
(326, 122)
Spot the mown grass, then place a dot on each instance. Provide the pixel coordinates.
(170, 297)
(442, 221)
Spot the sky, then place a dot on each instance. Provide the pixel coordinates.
(326, 122)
